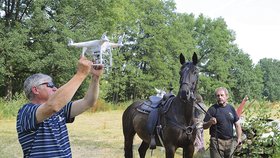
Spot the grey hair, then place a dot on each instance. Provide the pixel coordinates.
(34, 80)
(223, 89)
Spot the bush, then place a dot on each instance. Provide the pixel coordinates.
(102, 105)
(9, 109)
(262, 131)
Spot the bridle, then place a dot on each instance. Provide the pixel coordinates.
(188, 80)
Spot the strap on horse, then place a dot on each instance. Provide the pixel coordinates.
(162, 110)
(203, 109)
(187, 129)
(160, 134)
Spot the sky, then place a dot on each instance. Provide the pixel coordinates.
(255, 22)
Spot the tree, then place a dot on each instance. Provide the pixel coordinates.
(146, 61)
(246, 79)
(13, 50)
(34, 37)
(213, 42)
(271, 77)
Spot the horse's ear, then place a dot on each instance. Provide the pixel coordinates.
(182, 59)
(194, 58)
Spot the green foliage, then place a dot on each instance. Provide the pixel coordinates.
(258, 128)
(34, 37)
(9, 109)
(102, 105)
(243, 72)
(271, 77)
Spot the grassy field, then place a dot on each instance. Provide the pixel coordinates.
(97, 135)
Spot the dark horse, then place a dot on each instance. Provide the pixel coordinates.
(178, 127)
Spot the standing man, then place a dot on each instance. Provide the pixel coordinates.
(41, 123)
(223, 117)
(199, 116)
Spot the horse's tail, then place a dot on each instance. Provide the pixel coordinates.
(128, 130)
(127, 120)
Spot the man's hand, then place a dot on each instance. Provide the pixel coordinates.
(209, 123)
(97, 70)
(239, 142)
(84, 66)
(213, 121)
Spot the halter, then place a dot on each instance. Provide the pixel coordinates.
(184, 80)
(188, 77)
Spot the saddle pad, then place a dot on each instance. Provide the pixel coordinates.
(155, 99)
(145, 107)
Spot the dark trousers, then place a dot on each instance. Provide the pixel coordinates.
(221, 148)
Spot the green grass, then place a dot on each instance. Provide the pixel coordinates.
(97, 135)
(9, 146)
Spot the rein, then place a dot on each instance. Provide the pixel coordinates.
(187, 129)
(203, 109)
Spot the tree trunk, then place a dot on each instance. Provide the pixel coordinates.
(9, 89)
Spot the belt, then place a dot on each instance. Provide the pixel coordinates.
(221, 138)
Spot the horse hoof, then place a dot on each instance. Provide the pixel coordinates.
(152, 146)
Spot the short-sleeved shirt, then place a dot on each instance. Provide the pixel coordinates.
(46, 139)
(226, 116)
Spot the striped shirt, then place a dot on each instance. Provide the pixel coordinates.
(46, 139)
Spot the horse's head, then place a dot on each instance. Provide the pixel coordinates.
(188, 78)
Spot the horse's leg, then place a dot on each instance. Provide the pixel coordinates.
(143, 149)
(188, 151)
(170, 151)
(128, 144)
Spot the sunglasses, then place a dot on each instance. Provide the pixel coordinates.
(49, 84)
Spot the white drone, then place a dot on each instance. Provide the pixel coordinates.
(99, 49)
